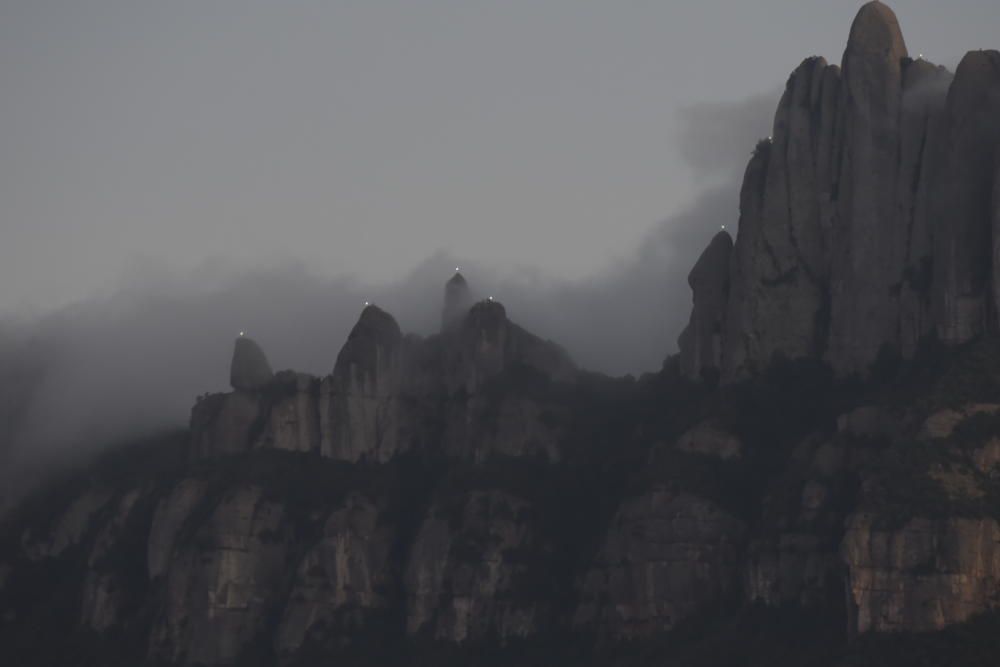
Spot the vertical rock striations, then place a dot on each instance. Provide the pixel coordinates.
(867, 237)
(866, 220)
(475, 390)
(360, 407)
(963, 266)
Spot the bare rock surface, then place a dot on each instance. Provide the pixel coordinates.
(250, 369)
(666, 557)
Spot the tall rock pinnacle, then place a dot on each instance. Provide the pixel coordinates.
(963, 251)
(359, 408)
(866, 254)
(250, 369)
(701, 342)
(869, 219)
(457, 301)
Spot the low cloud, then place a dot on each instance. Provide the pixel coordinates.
(124, 364)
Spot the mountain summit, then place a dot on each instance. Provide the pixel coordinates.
(868, 221)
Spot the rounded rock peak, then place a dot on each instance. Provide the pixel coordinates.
(920, 70)
(977, 77)
(250, 369)
(487, 314)
(720, 239)
(714, 260)
(376, 324)
(875, 31)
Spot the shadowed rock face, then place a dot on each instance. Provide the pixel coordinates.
(573, 510)
(701, 341)
(963, 257)
(389, 394)
(866, 220)
(250, 369)
(360, 411)
(457, 300)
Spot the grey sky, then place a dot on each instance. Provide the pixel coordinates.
(361, 137)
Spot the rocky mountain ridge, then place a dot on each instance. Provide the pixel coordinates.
(869, 220)
(473, 498)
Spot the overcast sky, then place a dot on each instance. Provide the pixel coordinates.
(361, 137)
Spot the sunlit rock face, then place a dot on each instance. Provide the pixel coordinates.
(866, 219)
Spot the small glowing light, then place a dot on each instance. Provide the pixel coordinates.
(456, 269)
(920, 57)
(367, 303)
(770, 138)
(242, 333)
(491, 298)
(723, 228)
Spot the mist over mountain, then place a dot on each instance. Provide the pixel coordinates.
(429, 471)
(127, 362)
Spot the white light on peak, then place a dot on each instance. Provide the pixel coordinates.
(242, 333)
(456, 269)
(491, 298)
(920, 57)
(367, 303)
(723, 228)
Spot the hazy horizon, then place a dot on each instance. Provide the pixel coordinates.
(173, 173)
(361, 139)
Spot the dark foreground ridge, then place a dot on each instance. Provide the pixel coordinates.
(473, 498)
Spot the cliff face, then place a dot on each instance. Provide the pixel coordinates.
(866, 219)
(389, 394)
(472, 498)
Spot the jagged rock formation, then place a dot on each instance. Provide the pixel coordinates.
(866, 219)
(434, 500)
(390, 393)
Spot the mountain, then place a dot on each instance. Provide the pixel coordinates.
(813, 479)
(868, 220)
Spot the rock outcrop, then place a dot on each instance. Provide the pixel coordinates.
(221, 587)
(457, 300)
(701, 341)
(473, 391)
(866, 219)
(921, 576)
(437, 500)
(360, 406)
(667, 556)
(462, 582)
(250, 369)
